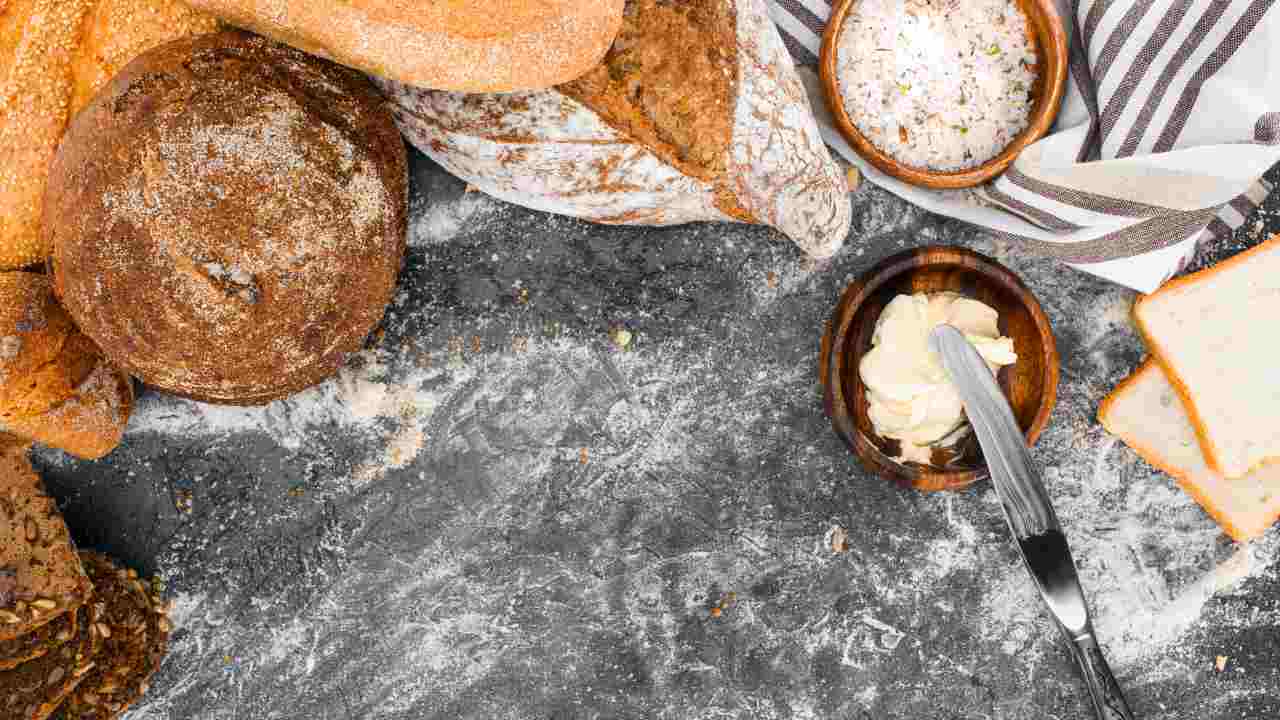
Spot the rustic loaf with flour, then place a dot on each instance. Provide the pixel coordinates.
(463, 45)
(228, 217)
(696, 113)
(55, 386)
(54, 55)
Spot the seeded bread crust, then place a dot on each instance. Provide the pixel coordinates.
(228, 217)
(1169, 363)
(725, 134)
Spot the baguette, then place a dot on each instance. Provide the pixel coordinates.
(1146, 413)
(1213, 334)
(463, 45)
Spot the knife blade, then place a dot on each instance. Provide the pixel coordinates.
(1032, 520)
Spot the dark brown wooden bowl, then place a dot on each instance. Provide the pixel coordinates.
(1049, 38)
(1031, 384)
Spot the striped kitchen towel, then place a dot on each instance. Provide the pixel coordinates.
(1171, 117)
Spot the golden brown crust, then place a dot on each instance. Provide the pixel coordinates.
(90, 423)
(1158, 351)
(228, 217)
(461, 45)
(54, 54)
(682, 110)
(1157, 459)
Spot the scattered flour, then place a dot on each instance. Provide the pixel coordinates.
(441, 222)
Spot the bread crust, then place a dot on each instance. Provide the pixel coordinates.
(596, 151)
(54, 54)
(228, 217)
(459, 45)
(1157, 460)
(1162, 356)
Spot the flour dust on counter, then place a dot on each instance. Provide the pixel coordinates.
(496, 511)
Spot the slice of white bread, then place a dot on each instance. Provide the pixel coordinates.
(1146, 413)
(1214, 334)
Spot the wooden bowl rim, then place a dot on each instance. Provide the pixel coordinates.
(1042, 117)
(834, 353)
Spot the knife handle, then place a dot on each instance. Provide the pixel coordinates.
(1108, 700)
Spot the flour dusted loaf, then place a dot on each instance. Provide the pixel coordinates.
(54, 55)
(228, 217)
(55, 386)
(696, 113)
(464, 45)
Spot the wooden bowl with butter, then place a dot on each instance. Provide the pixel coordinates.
(1030, 383)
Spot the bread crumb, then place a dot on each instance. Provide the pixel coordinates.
(1221, 663)
(853, 178)
(838, 540)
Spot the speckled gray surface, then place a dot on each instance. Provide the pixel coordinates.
(500, 514)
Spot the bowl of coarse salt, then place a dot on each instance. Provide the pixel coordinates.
(943, 93)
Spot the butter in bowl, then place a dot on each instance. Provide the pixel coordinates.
(887, 395)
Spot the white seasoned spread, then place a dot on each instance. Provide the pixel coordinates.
(909, 396)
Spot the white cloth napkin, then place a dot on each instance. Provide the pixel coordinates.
(1171, 117)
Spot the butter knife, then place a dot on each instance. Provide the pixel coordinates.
(1030, 514)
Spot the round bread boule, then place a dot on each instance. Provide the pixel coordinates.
(228, 217)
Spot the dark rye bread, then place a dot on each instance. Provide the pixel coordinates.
(34, 690)
(228, 216)
(695, 114)
(131, 649)
(40, 574)
(37, 643)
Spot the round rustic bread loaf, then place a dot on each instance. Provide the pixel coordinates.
(228, 217)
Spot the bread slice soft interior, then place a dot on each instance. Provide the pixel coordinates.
(1147, 414)
(1214, 334)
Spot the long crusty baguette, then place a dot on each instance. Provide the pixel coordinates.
(1146, 413)
(463, 45)
(1213, 333)
(54, 55)
(725, 133)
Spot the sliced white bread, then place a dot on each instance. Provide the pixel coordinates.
(1214, 334)
(1146, 413)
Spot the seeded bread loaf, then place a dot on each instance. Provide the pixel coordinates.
(40, 574)
(228, 217)
(34, 690)
(1212, 333)
(696, 113)
(54, 55)
(1146, 413)
(129, 654)
(464, 45)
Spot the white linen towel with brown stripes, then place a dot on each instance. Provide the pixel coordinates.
(1171, 116)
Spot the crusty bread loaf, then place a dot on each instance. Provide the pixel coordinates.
(1146, 413)
(55, 386)
(40, 574)
(54, 55)
(228, 217)
(1213, 333)
(463, 45)
(696, 114)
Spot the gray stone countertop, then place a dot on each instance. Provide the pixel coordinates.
(499, 514)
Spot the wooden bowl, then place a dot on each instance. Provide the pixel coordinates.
(1031, 384)
(1049, 38)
